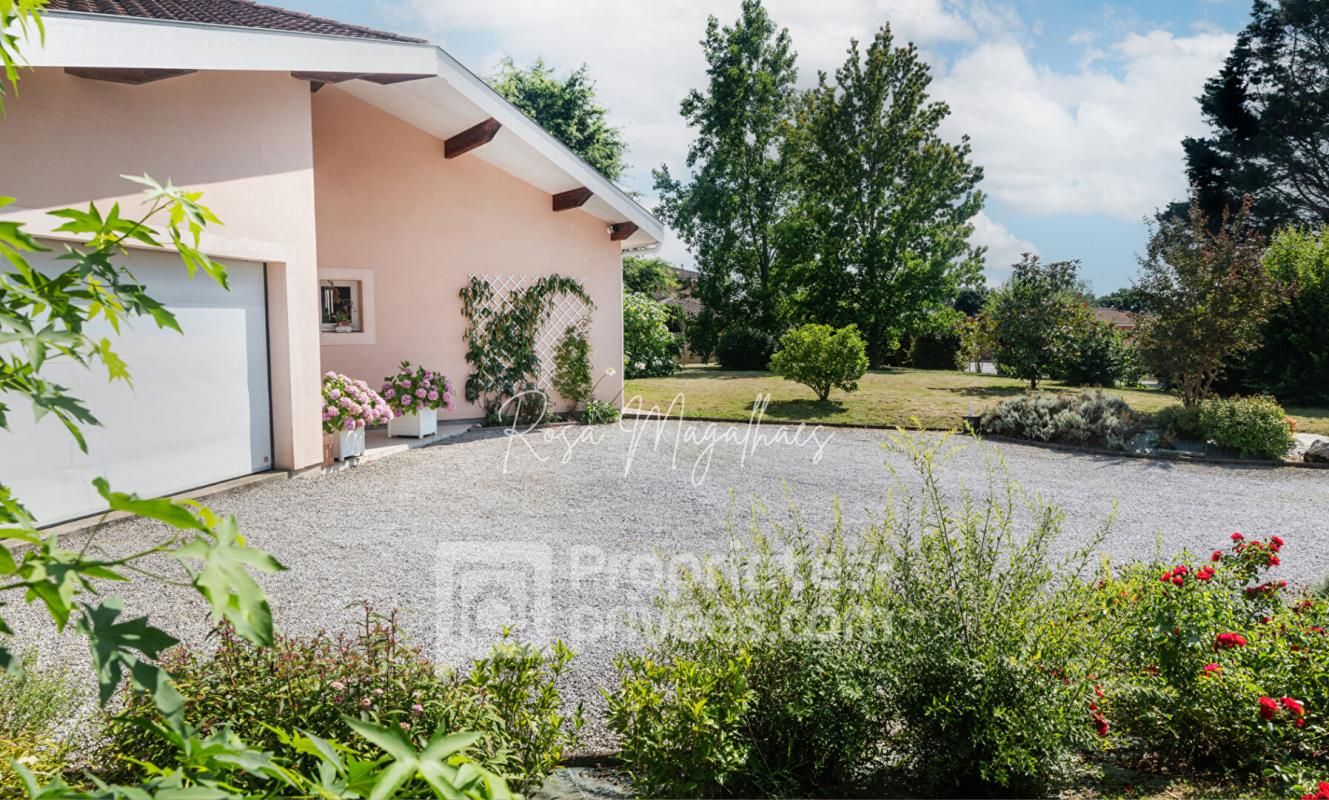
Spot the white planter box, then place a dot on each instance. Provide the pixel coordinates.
(415, 426)
(349, 444)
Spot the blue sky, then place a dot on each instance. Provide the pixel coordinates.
(1076, 109)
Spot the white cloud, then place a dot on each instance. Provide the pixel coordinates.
(1094, 141)
(1102, 137)
(1004, 247)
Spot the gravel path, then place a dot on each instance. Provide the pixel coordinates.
(567, 536)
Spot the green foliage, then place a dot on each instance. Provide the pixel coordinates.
(1292, 362)
(745, 348)
(1032, 319)
(1208, 295)
(322, 684)
(1181, 422)
(822, 358)
(34, 703)
(500, 343)
(1089, 418)
(884, 202)
(1125, 299)
(649, 348)
(682, 723)
(649, 275)
(572, 366)
(1268, 130)
(1194, 644)
(565, 107)
(19, 19)
(935, 652)
(936, 349)
(1099, 355)
(1253, 426)
(730, 212)
(599, 412)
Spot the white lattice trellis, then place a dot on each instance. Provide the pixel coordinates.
(564, 310)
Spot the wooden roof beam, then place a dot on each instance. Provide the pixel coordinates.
(573, 198)
(128, 75)
(479, 134)
(622, 231)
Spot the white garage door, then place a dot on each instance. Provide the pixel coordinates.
(198, 410)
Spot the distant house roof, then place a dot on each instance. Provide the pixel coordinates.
(235, 13)
(1124, 320)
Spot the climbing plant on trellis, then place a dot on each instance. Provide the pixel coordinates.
(515, 322)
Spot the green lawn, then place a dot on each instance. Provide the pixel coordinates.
(935, 399)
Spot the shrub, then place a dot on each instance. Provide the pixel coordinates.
(349, 404)
(1099, 355)
(935, 350)
(1253, 426)
(311, 684)
(822, 358)
(572, 366)
(931, 652)
(1088, 418)
(744, 348)
(1180, 421)
(598, 412)
(34, 703)
(1214, 665)
(649, 349)
(682, 723)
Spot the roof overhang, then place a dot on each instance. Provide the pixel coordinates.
(451, 99)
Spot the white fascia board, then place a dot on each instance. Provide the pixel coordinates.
(103, 40)
(512, 119)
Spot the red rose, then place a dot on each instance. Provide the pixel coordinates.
(1268, 707)
(1178, 580)
(1180, 569)
(1237, 537)
(1274, 560)
(1101, 725)
(1276, 542)
(1217, 556)
(1227, 641)
(1212, 668)
(1295, 706)
(1165, 577)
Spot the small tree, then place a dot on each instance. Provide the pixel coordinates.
(822, 358)
(1034, 317)
(649, 275)
(572, 366)
(1208, 293)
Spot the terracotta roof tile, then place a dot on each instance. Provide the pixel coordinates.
(238, 13)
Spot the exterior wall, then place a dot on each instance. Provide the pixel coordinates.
(388, 201)
(244, 140)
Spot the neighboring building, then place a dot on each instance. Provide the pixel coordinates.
(358, 173)
(1123, 321)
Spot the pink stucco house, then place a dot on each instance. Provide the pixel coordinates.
(348, 165)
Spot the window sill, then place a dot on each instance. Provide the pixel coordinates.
(326, 338)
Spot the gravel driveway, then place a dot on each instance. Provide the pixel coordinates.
(566, 536)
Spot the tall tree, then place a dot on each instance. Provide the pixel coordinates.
(885, 202)
(1208, 294)
(650, 275)
(567, 108)
(728, 214)
(1268, 111)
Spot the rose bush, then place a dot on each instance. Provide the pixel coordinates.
(349, 404)
(1213, 663)
(412, 390)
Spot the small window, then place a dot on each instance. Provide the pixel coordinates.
(341, 306)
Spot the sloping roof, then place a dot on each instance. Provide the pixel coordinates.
(1121, 319)
(236, 13)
